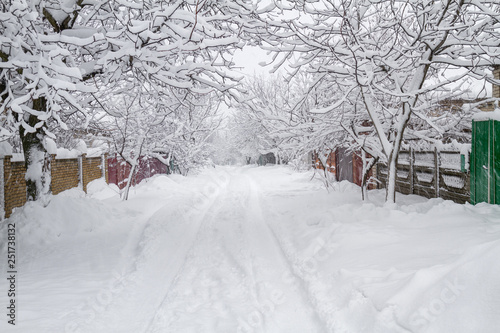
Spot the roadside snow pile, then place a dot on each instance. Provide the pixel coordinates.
(423, 266)
(159, 183)
(68, 216)
(98, 189)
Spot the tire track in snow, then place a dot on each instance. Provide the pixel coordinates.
(317, 293)
(290, 277)
(233, 281)
(228, 252)
(205, 222)
(168, 236)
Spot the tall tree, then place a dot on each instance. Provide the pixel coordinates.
(391, 54)
(52, 51)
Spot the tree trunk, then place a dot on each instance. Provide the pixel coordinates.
(367, 166)
(130, 178)
(134, 163)
(35, 154)
(390, 194)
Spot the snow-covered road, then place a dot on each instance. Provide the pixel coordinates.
(218, 265)
(234, 274)
(247, 249)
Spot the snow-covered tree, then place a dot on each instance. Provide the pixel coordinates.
(266, 120)
(189, 135)
(390, 55)
(174, 125)
(38, 74)
(53, 51)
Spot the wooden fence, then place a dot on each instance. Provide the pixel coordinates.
(431, 174)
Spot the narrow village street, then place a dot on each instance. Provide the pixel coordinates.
(254, 249)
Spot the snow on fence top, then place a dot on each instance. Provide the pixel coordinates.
(17, 157)
(62, 153)
(491, 115)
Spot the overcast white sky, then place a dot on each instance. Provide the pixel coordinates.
(249, 58)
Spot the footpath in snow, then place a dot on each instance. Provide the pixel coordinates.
(252, 249)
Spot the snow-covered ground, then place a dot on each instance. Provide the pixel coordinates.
(252, 250)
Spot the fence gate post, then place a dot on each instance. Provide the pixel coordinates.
(2, 190)
(80, 171)
(437, 163)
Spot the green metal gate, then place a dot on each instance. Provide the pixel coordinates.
(485, 162)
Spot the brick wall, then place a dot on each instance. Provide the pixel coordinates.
(91, 169)
(65, 174)
(14, 184)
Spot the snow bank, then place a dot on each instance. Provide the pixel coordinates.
(68, 216)
(420, 266)
(99, 189)
(159, 183)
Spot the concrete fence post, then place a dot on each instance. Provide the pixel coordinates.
(80, 171)
(84, 172)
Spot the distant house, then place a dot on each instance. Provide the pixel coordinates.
(268, 158)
